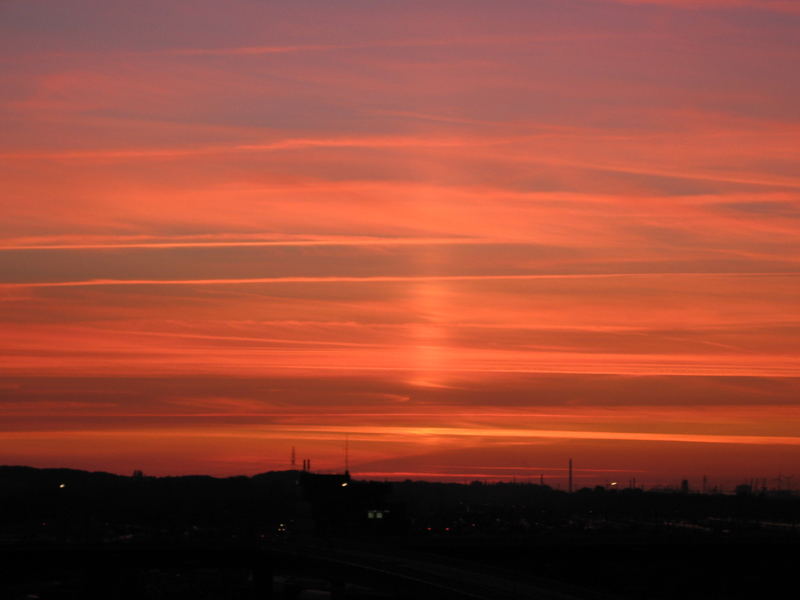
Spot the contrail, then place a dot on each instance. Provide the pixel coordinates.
(376, 279)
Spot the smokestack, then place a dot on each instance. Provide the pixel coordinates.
(569, 485)
(347, 454)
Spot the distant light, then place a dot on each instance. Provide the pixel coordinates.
(345, 484)
(613, 483)
(62, 485)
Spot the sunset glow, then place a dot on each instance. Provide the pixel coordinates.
(476, 238)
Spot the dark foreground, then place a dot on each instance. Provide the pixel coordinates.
(71, 534)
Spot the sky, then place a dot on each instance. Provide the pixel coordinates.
(473, 239)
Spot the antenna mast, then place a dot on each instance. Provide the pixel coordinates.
(570, 476)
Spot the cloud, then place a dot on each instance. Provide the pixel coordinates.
(367, 279)
(788, 6)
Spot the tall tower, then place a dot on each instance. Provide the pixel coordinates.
(294, 460)
(347, 454)
(569, 483)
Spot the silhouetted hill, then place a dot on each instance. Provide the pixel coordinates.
(70, 502)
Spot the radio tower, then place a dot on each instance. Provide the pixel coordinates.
(347, 454)
(569, 484)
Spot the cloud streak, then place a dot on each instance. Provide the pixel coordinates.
(787, 6)
(312, 242)
(379, 279)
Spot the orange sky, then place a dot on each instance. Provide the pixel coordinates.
(477, 238)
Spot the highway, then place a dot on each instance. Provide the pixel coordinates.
(424, 577)
(379, 567)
